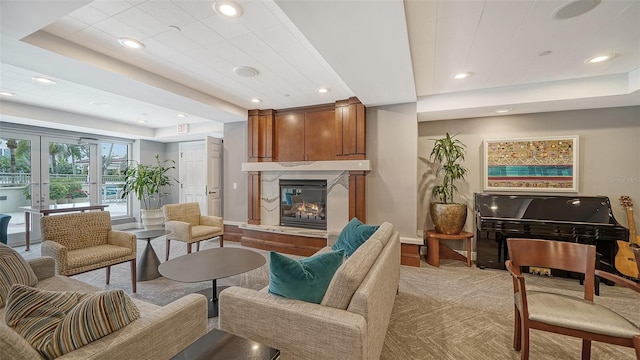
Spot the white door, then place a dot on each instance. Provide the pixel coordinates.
(192, 174)
(214, 176)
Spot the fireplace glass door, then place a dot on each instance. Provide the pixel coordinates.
(303, 203)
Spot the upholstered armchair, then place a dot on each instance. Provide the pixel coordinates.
(187, 225)
(82, 242)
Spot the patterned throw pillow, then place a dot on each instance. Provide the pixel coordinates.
(306, 279)
(35, 314)
(353, 235)
(58, 322)
(13, 270)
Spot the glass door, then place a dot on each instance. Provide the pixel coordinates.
(19, 177)
(68, 171)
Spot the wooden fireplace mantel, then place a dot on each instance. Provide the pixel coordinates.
(320, 133)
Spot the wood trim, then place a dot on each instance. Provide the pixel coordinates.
(410, 254)
(266, 134)
(283, 243)
(338, 130)
(361, 146)
(232, 233)
(357, 195)
(253, 209)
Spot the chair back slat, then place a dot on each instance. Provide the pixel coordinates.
(561, 255)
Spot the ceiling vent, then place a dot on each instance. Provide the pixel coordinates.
(245, 71)
(574, 8)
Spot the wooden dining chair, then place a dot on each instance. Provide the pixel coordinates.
(562, 314)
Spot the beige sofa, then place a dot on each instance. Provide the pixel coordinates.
(350, 322)
(159, 333)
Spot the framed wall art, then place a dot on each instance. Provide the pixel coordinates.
(541, 164)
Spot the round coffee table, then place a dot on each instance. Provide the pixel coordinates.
(211, 264)
(149, 262)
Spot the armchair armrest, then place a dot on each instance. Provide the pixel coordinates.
(121, 238)
(58, 252)
(618, 280)
(180, 230)
(292, 326)
(44, 267)
(211, 220)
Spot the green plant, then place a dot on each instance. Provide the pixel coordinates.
(58, 190)
(147, 181)
(448, 152)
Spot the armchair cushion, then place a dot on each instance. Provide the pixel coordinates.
(305, 279)
(353, 235)
(13, 270)
(56, 323)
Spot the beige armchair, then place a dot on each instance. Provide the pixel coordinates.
(187, 225)
(82, 242)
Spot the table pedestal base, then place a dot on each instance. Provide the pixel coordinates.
(148, 264)
(213, 298)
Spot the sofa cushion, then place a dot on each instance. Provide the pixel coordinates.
(350, 274)
(353, 235)
(57, 322)
(13, 270)
(305, 279)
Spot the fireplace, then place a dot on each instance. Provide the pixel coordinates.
(303, 203)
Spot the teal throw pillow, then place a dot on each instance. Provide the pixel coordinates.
(353, 235)
(305, 279)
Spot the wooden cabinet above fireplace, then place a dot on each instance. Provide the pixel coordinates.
(313, 133)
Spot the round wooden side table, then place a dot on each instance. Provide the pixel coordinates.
(436, 250)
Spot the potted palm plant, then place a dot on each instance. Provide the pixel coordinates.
(147, 182)
(447, 216)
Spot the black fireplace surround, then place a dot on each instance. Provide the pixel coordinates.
(303, 203)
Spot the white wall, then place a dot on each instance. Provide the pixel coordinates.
(609, 151)
(392, 146)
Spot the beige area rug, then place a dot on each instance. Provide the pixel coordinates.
(451, 312)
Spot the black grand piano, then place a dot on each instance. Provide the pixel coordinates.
(581, 219)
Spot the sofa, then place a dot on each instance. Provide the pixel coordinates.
(159, 333)
(351, 321)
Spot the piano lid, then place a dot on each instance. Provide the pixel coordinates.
(582, 209)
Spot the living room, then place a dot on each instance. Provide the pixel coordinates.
(601, 107)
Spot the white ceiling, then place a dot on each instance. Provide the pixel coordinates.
(382, 51)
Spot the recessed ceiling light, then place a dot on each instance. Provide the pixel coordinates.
(182, 115)
(323, 90)
(245, 71)
(142, 121)
(43, 80)
(461, 75)
(599, 58)
(503, 111)
(228, 8)
(130, 43)
(256, 100)
(6, 93)
(574, 8)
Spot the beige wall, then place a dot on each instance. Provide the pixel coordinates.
(609, 151)
(391, 185)
(234, 153)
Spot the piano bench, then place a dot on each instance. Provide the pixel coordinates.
(437, 250)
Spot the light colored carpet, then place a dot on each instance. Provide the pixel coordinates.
(450, 312)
